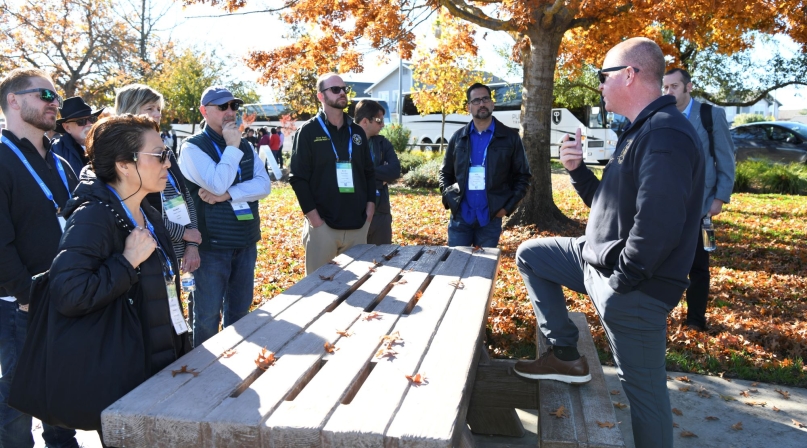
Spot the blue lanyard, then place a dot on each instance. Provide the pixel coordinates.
(151, 230)
(38, 179)
(485, 154)
(349, 140)
(218, 150)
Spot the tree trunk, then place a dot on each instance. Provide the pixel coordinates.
(539, 57)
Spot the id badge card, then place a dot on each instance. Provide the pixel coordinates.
(176, 311)
(242, 211)
(176, 210)
(62, 222)
(476, 178)
(344, 177)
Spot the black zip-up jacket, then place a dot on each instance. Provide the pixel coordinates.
(507, 175)
(387, 169)
(68, 148)
(29, 228)
(312, 173)
(90, 271)
(645, 212)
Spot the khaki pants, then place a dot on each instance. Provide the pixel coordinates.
(323, 243)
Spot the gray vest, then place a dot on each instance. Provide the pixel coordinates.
(217, 222)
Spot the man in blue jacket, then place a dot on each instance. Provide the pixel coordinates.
(484, 175)
(718, 154)
(639, 243)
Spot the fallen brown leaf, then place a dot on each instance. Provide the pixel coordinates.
(330, 347)
(417, 379)
(561, 412)
(677, 412)
(685, 388)
(744, 393)
(399, 282)
(688, 434)
(754, 384)
(615, 392)
(737, 426)
(775, 409)
(228, 353)
(798, 423)
(344, 333)
(185, 369)
(675, 425)
(479, 249)
(619, 405)
(684, 378)
(711, 418)
(371, 316)
(783, 393)
(385, 352)
(265, 359)
(702, 392)
(608, 425)
(756, 403)
(457, 283)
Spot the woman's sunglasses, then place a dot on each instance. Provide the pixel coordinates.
(45, 95)
(163, 155)
(233, 105)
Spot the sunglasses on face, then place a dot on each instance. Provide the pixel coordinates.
(45, 95)
(378, 120)
(336, 89)
(233, 105)
(83, 121)
(602, 77)
(163, 155)
(478, 101)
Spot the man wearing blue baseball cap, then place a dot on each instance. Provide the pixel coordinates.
(226, 179)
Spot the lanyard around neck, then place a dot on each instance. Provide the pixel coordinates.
(218, 150)
(167, 267)
(349, 140)
(485, 154)
(45, 189)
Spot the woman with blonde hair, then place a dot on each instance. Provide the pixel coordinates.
(179, 213)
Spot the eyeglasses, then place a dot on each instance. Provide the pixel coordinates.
(45, 95)
(478, 101)
(233, 105)
(336, 89)
(613, 69)
(83, 121)
(378, 120)
(163, 155)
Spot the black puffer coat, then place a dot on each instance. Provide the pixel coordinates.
(90, 280)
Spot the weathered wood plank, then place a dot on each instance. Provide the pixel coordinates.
(124, 422)
(236, 421)
(498, 386)
(363, 422)
(432, 415)
(587, 404)
(495, 421)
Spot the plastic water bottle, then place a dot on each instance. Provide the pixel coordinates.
(188, 282)
(708, 232)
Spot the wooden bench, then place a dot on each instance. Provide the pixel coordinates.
(435, 298)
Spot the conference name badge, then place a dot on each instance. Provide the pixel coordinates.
(476, 178)
(177, 320)
(242, 211)
(344, 177)
(177, 211)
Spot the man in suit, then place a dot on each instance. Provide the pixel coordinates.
(719, 170)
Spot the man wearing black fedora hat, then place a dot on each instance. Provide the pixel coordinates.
(77, 119)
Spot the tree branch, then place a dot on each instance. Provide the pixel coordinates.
(760, 96)
(476, 16)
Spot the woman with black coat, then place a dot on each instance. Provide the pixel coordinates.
(115, 276)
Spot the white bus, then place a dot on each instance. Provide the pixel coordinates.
(599, 139)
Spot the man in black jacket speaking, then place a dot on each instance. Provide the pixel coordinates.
(639, 244)
(485, 174)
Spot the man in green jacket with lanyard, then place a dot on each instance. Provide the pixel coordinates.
(332, 174)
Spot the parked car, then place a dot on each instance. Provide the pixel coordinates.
(774, 141)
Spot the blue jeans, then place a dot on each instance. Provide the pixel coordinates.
(460, 233)
(224, 284)
(15, 427)
(635, 324)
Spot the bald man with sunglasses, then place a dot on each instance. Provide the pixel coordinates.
(226, 179)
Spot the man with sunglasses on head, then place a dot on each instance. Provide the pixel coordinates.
(226, 179)
(331, 172)
(638, 246)
(485, 174)
(34, 185)
(76, 122)
(370, 116)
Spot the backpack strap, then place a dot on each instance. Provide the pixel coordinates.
(706, 120)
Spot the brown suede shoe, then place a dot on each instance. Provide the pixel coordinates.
(549, 367)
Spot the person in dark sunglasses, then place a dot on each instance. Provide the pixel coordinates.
(638, 246)
(226, 179)
(77, 119)
(332, 174)
(30, 229)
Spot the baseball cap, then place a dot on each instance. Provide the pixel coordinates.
(218, 95)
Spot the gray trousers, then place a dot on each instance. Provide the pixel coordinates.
(635, 324)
